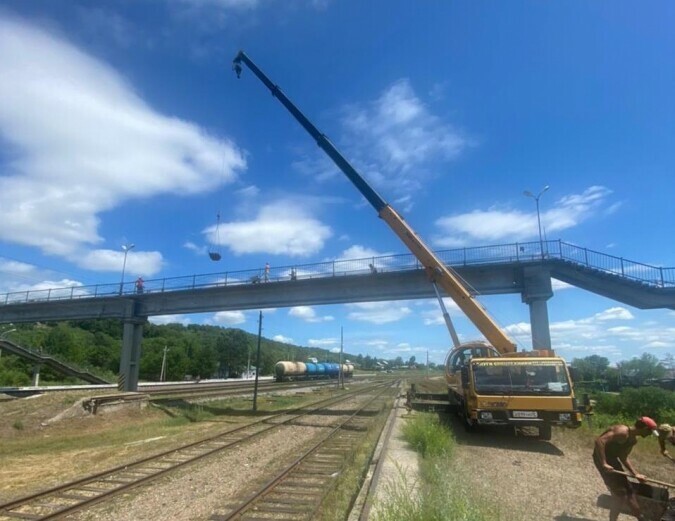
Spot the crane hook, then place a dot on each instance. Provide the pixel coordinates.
(236, 66)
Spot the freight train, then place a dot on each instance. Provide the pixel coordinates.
(286, 371)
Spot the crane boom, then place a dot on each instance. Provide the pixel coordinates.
(436, 270)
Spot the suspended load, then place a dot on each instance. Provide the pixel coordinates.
(214, 253)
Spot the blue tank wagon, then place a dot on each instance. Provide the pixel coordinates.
(287, 371)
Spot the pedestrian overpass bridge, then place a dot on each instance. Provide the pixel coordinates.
(524, 268)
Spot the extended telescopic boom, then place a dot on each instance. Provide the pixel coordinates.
(436, 270)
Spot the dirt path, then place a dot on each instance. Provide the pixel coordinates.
(532, 479)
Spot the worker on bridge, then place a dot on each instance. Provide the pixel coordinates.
(611, 452)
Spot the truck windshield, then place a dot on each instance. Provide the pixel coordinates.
(521, 378)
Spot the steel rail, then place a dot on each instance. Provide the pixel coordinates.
(84, 492)
(237, 388)
(313, 480)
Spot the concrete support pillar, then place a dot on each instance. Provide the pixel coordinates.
(130, 359)
(36, 375)
(536, 291)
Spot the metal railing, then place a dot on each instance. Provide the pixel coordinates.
(526, 252)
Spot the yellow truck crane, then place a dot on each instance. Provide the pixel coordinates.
(488, 383)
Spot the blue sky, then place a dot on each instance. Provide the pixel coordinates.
(122, 122)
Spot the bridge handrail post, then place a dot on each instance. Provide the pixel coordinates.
(586, 256)
(49, 293)
(464, 250)
(163, 284)
(622, 273)
(661, 273)
(194, 281)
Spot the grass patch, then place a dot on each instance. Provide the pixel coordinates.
(441, 494)
(427, 436)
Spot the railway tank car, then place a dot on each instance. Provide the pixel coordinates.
(286, 371)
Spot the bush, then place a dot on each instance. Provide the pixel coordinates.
(14, 378)
(635, 402)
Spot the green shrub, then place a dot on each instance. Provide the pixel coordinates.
(13, 378)
(632, 403)
(427, 436)
(18, 425)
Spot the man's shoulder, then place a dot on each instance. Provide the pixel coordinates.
(617, 432)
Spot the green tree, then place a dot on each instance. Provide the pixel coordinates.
(638, 370)
(591, 368)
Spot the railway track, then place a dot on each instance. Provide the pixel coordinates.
(298, 491)
(77, 495)
(238, 388)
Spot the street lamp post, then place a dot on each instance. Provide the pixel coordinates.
(125, 249)
(527, 193)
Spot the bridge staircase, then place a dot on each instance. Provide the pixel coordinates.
(49, 361)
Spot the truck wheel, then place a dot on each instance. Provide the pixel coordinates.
(545, 432)
(469, 425)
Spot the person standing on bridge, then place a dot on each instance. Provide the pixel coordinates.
(611, 452)
(267, 272)
(140, 285)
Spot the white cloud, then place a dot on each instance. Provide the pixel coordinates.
(398, 133)
(359, 252)
(48, 289)
(283, 339)
(145, 263)
(280, 228)
(587, 336)
(198, 250)
(433, 316)
(378, 312)
(162, 320)
(229, 318)
(324, 343)
(617, 313)
(496, 224)
(13, 267)
(83, 142)
(559, 285)
(308, 314)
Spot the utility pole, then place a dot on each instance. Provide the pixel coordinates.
(427, 364)
(162, 373)
(341, 376)
(257, 365)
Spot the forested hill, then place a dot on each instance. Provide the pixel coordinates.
(194, 350)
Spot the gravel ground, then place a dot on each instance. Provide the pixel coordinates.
(533, 480)
(202, 489)
(194, 492)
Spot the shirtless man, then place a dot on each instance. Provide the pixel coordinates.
(611, 452)
(666, 434)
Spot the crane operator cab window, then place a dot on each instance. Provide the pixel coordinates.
(461, 356)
